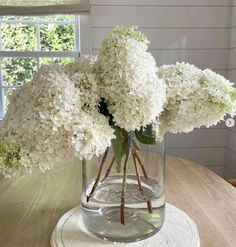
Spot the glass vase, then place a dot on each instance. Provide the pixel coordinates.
(125, 205)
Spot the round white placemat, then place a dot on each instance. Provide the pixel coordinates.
(178, 231)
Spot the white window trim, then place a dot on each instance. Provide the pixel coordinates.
(85, 35)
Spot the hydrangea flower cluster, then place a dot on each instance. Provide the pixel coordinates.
(48, 120)
(128, 81)
(81, 108)
(195, 97)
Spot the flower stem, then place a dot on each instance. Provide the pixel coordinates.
(137, 175)
(108, 169)
(149, 203)
(98, 176)
(122, 204)
(141, 164)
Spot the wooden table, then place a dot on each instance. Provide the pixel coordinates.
(30, 207)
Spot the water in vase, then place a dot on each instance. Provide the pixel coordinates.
(101, 214)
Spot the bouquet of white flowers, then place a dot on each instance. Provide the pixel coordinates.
(116, 99)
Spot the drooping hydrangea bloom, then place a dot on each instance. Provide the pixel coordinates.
(195, 97)
(128, 81)
(48, 119)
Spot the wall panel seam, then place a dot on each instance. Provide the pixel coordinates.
(211, 147)
(170, 27)
(195, 147)
(162, 5)
(180, 49)
(231, 130)
(231, 150)
(189, 49)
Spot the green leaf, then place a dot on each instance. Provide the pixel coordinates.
(118, 149)
(146, 135)
(127, 142)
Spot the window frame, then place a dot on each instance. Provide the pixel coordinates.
(77, 22)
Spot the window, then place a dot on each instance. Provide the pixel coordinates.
(28, 42)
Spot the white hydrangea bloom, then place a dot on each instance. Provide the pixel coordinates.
(88, 88)
(50, 122)
(92, 135)
(195, 97)
(85, 64)
(82, 74)
(128, 81)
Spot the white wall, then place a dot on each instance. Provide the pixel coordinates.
(230, 155)
(194, 31)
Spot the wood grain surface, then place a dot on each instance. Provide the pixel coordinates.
(31, 206)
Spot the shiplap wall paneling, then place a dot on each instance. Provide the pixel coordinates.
(197, 138)
(234, 16)
(232, 75)
(164, 2)
(193, 146)
(229, 171)
(183, 36)
(233, 37)
(162, 16)
(215, 59)
(194, 31)
(232, 61)
(231, 140)
(177, 38)
(230, 154)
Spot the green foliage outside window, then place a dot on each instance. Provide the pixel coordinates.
(57, 37)
(23, 37)
(18, 71)
(18, 37)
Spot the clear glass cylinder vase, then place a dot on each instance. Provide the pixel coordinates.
(125, 205)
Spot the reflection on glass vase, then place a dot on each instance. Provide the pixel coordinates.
(125, 203)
